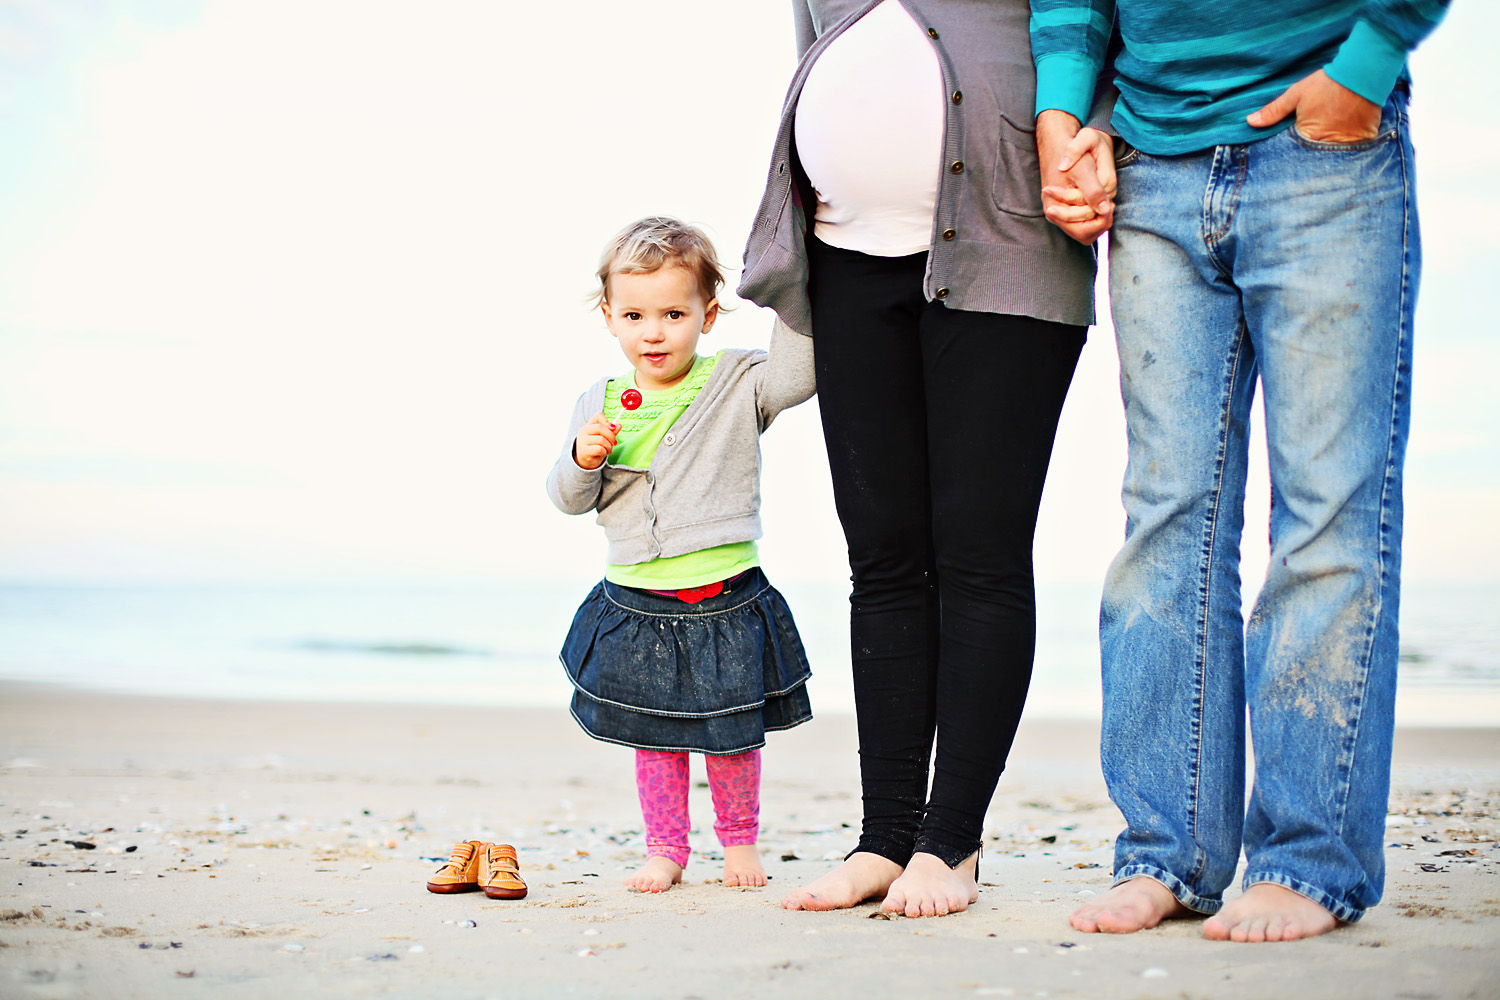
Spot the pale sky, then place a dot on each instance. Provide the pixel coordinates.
(295, 291)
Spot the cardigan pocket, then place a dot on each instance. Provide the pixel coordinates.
(1015, 179)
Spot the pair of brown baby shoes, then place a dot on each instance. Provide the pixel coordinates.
(474, 865)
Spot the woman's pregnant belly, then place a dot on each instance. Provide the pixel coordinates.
(869, 132)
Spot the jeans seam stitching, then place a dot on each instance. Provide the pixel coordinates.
(1240, 162)
(1205, 597)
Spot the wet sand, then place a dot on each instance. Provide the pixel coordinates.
(173, 848)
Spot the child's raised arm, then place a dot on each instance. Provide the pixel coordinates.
(788, 378)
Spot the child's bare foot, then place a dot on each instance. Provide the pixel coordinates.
(742, 866)
(929, 888)
(862, 876)
(1267, 912)
(658, 874)
(1133, 905)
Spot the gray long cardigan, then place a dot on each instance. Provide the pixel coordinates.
(992, 249)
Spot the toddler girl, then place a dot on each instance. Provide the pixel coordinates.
(684, 645)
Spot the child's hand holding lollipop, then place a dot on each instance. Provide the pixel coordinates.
(599, 436)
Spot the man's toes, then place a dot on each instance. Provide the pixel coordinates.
(1083, 921)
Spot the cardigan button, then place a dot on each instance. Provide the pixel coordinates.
(958, 97)
(957, 167)
(942, 293)
(932, 33)
(948, 234)
(669, 439)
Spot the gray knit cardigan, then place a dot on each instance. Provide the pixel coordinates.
(703, 485)
(992, 249)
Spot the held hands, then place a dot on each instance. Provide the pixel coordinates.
(1078, 175)
(596, 439)
(1326, 111)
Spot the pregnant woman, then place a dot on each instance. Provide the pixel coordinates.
(902, 228)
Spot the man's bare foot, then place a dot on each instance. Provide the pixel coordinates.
(929, 888)
(742, 866)
(1267, 912)
(1134, 905)
(862, 876)
(658, 874)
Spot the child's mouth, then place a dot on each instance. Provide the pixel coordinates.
(656, 359)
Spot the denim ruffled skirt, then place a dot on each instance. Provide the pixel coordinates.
(656, 673)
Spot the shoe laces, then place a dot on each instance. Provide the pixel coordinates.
(459, 859)
(502, 859)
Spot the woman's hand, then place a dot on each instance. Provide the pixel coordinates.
(1078, 175)
(596, 439)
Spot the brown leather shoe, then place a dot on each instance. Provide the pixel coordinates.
(460, 873)
(500, 872)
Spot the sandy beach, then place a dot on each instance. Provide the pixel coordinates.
(176, 848)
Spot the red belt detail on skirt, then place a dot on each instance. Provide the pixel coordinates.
(692, 595)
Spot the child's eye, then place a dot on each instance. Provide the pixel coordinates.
(632, 316)
(675, 314)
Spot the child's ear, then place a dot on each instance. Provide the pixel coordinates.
(609, 319)
(710, 313)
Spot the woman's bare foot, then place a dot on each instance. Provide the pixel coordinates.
(1267, 912)
(929, 888)
(1131, 906)
(862, 876)
(658, 874)
(742, 866)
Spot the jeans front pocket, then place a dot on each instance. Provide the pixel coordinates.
(1392, 117)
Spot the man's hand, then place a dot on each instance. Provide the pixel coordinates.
(596, 439)
(1326, 111)
(1078, 175)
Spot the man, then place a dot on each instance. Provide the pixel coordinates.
(1264, 228)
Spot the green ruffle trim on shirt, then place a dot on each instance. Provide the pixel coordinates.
(655, 403)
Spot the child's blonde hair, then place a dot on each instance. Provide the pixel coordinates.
(661, 241)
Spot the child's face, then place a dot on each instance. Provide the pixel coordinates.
(658, 318)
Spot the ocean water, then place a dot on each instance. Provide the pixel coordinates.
(497, 644)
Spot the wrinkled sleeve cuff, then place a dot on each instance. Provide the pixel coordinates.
(1368, 63)
(1065, 82)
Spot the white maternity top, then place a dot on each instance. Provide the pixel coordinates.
(869, 133)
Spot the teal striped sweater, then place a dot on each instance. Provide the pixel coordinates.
(1191, 70)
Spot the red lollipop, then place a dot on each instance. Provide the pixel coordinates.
(630, 399)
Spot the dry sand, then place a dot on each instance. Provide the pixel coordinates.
(160, 848)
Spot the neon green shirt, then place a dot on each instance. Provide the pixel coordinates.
(641, 431)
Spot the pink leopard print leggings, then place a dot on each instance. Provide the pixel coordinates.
(662, 780)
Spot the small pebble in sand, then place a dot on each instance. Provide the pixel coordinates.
(1155, 972)
(591, 932)
(292, 948)
(416, 949)
(586, 953)
(1021, 950)
(363, 909)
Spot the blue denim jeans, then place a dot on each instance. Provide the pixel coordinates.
(1296, 263)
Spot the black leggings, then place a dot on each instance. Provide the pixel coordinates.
(939, 425)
